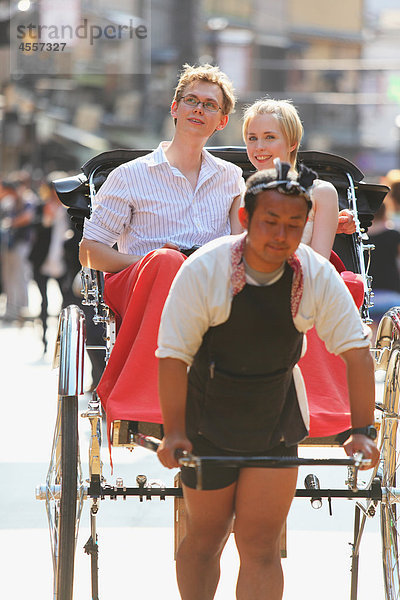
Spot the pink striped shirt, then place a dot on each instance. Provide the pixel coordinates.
(146, 203)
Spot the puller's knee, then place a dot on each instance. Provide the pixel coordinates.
(260, 546)
(208, 542)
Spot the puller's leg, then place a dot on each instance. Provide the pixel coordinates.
(209, 522)
(263, 499)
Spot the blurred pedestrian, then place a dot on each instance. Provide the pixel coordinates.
(47, 254)
(391, 177)
(393, 200)
(384, 267)
(17, 212)
(54, 255)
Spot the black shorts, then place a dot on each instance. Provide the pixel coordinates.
(216, 477)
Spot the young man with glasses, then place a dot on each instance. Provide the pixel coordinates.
(174, 199)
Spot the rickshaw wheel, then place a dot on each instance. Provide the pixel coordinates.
(62, 496)
(388, 471)
(64, 487)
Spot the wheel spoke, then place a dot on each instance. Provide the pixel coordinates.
(388, 472)
(52, 480)
(64, 496)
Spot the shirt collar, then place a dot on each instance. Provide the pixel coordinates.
(238, 277)
(158, 156)
(210, 163)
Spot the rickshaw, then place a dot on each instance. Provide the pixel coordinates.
(67, 488)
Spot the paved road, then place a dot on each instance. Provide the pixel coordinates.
(136, 539)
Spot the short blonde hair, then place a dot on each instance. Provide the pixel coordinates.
(286, 114)
(210, 74)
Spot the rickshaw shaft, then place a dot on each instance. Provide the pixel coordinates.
(146, 492)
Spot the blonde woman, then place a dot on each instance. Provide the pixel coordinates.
(273, 129)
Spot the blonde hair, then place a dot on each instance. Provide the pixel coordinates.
(210, 74)
(286, 114)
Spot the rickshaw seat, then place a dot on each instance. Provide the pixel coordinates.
(74, 192)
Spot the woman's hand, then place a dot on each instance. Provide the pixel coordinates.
(346, 222)
(169, 445)
(362, 443)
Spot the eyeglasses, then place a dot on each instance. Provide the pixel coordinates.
(208, 105)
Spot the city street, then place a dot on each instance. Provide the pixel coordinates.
(136, 539)
(134, 130)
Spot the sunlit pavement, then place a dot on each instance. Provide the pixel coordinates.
(136, 539)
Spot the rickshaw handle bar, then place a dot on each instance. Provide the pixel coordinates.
(186, 459)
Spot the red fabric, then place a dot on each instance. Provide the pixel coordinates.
(326, 386)
(128, 388)
(325, 374)
(356, 286)
(337, 262)
(353, 280)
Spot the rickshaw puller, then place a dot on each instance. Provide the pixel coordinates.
(236, 314)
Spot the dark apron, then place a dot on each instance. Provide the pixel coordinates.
(241, 394)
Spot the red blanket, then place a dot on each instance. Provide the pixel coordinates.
(325, 374)
(128, 388)
(326, 386)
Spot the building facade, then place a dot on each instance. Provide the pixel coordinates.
(311, 51)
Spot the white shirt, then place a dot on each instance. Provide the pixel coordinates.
(145, 203)
(202, 292)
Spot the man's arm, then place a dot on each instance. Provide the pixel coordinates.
(112, 210)
(172, 383)
(97, 255)
(361, 384)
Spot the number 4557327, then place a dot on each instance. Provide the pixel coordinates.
(42, 47)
